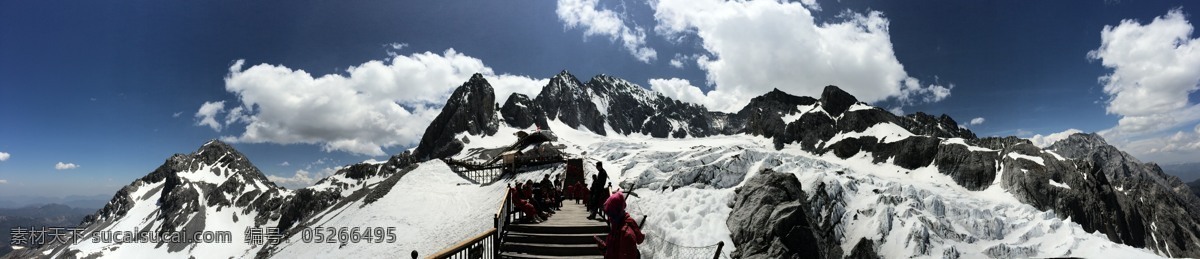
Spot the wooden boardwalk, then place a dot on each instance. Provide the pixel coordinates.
(566, 234)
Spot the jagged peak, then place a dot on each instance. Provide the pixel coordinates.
(776, 94)
(1089, 138)
(564, 76)
(216, 146)
(477, 77)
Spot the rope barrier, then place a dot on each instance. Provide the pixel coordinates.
(662, 248)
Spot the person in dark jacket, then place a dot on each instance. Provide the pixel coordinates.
(598, 192)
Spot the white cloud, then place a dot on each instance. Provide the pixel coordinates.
(2, 181)
(1180, 146)
(285, 163)
(506, 85)
(373, 105)
(176, 114)
(683, 90)
(676, 62)
(977, 121)
(603, 22)
(4, 156)
(397, 45)
(302, 178)
(1047, 140)
(755, 46)
(1154, 68)
(207, 114)
(65, 166)
(1023, 132)
(393, 47)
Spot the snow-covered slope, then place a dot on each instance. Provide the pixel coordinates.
(685, 187)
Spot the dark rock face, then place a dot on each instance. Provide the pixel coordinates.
(624, 107)
(973, 170)
(860, 120)
(865, 249)
(521, 112)
(566, 100)
(1131, 202)
(771, 219)
(942, 126)
(835, 101)
(471, 108)
(762, 115)
(910, 153)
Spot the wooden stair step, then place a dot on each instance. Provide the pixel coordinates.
(552, 249)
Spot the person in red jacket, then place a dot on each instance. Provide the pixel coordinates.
(580, 191)
(624, 233)
(569, 193)
(523, 205)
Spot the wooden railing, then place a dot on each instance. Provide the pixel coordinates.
(482, 245)
(477, 172)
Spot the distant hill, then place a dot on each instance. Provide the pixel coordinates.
(1187, 172)
(1195, 185)
(47, 215)
(91, 202)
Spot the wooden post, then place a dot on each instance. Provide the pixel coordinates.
(496, 237)
(719, 246)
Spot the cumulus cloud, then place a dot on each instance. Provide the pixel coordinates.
(1047, 140)
(683, 90)
(374, 105)
(206, 115)
(4, 156)
(755, 46)
(1154, 66)
(598, 21)
(65, 166)
(301, 178)
(285, 163)
(977, 121)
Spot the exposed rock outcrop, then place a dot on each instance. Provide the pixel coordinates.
(772, 218)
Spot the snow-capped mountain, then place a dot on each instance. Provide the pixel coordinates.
(785, 176)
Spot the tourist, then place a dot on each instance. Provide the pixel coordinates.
(624, 233)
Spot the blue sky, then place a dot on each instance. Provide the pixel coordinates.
(115, 88)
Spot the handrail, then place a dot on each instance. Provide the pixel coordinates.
(466, 244)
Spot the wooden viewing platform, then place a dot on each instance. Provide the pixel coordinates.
(566, 234)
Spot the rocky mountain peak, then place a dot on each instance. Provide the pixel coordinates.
(1087, 139)
(564, 78)
(476, 79)
(835, 101)
(216, 151)
(471, 109)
